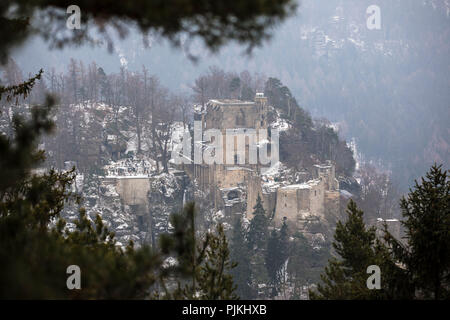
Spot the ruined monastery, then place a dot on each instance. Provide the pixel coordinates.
(234, 187)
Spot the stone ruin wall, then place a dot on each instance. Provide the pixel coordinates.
(312, 199)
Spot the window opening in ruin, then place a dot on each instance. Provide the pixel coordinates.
(233, 195)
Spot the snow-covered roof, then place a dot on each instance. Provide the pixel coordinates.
(231, 102)
(346, 194)
(237, 168)
(306, 185)
(322, 166)
(297, 186)
(141, 176)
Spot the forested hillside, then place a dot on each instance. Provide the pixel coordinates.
(126, 124)
(106, 117)
(100, 111)
(386, 88)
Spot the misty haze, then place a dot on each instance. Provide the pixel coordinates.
(255, 150)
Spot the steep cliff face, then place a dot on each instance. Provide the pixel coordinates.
(168, 192)
(101, 197)
(136, 208)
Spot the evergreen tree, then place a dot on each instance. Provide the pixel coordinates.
(305, 263)
(345, 278)
(257, 238)
(21, 90)
(277, 254)
(284, 240)
(306, 137)
(274, 261)
(205, 265)
(36, 247)
(215, 278)
(281, 97)
(426, 254)
(258, 231)
(241, 255)
(285, 252)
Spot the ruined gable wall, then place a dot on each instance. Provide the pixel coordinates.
(269, 203)
(332, 202)
(253, 189)
(235, 116)
(227, 178)
(133, 191)
(287, 204)
(303, 200)
(317, 195)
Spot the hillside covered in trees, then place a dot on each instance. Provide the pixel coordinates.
(89, 180)
(387, 89)
(127, 124)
